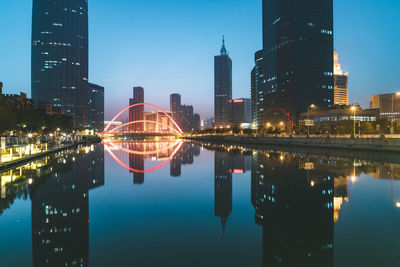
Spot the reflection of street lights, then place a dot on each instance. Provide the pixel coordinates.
(354, 109)
(392, 123)
(308, 117)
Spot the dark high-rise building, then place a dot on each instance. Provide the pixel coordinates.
(196, 122)
(240, 111)
(298, 57)
(175, 103)
(223, 187)
(182, 114)
(96, 107)
(137, 113)
(257, 90)
(222, 87)
(60, 56)
(1, 88)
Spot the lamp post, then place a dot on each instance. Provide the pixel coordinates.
(392, 120)
(354, 108)
(308, 117)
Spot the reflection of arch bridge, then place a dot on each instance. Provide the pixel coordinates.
(134, 120)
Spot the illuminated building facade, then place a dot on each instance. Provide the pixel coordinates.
(96, 107)
(222, 87)
(137, 113)
(341, 88)
(388, 105)
(298, 57)
(257, 90)
(240, 111)
(60, 56)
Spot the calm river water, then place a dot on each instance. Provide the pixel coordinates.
(181, 204)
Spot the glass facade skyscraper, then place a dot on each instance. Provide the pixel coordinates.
(60, 56)
(257, 90)
(298, 57)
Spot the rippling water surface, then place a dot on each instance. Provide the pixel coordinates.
(181, 204)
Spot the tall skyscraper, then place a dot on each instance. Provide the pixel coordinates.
(137, 113)
(222, 87)
(1, 88)
(96, 107)
(298, 57)
(257, 90)
(60, 56)
(341, 91)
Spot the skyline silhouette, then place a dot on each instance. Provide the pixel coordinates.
(136, 52)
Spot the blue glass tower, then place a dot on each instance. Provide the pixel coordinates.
(60, 56)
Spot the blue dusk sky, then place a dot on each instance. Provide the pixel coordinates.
(168, 46)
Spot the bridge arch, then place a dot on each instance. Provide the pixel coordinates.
(178, 129)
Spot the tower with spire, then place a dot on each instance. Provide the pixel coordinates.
(222, 87)
(223, 49)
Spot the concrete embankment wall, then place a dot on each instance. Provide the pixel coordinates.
(371, 144)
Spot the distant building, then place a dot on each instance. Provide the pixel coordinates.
(257, 90)
(222, 87)
(196, 122)
(388, 105)
(21, 101)
(240, 111)
(136, 113)
(60, 56)
(341, 87)
(207, 124)
(340, 113)
(182, 114)
(96, 107)
(1, 88)
(298, 57)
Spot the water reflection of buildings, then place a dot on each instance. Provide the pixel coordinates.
(295, 208)
(225, 165)
(159, 151)
(60, 210)
(185, 156)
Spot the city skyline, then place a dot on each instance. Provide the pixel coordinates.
(360, 45)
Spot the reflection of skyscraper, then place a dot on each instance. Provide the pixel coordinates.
(60, 211)
(295, 208)
(184, 156)
(222, 187)
(137, 113)
(136, 162)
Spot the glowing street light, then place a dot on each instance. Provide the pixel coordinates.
(312, 106)
(30, 135)
(354, 109)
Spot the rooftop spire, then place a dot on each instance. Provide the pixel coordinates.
(223, 49)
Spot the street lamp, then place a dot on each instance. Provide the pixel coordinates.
(354, 109)
(392, 123)
(308, 117)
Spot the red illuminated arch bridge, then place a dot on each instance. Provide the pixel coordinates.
(157, 121)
